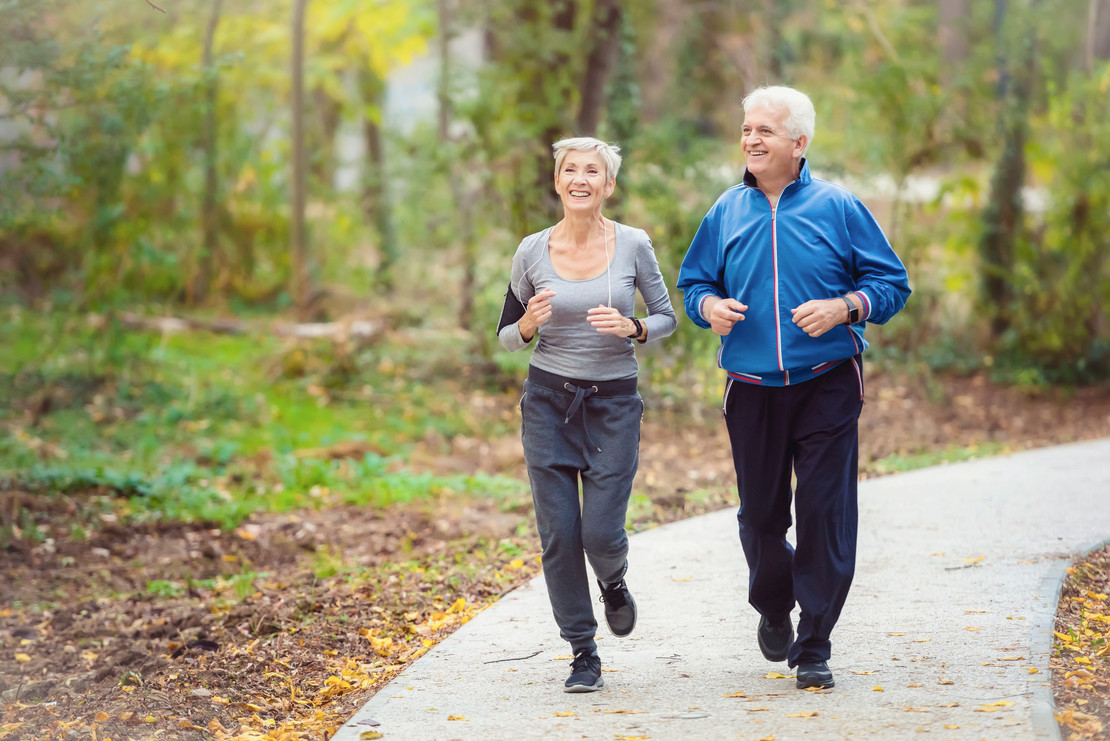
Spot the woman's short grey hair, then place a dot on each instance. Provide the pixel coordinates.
(610, 153)
(800, 116)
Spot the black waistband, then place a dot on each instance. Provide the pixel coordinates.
(555, 382)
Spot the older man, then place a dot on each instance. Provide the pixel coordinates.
(787, 268)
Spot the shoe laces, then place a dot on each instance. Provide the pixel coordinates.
(614, 595)
(585, 660)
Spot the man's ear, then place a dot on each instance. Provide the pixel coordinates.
(800, 145)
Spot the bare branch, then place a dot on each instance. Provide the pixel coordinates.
(154, 6)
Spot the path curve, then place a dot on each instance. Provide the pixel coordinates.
(946, 632)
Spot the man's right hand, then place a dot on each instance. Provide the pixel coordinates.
(722, 313)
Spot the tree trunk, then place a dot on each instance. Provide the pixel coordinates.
(1098, 32)
(375, 195)
(953, 20)
(209, 215)
(1003, 214)
(299, 254)
(604, 43)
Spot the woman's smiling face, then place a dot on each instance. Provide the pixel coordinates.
(582, 181)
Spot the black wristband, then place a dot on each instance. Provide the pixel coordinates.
(639, 328)
(853, 311)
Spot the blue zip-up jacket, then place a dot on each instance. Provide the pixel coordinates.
(819, 242)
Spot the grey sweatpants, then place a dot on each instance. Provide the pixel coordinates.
(571, 432)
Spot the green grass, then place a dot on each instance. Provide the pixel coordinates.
(902, 463)
(197, 426)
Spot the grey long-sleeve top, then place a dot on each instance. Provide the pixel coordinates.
(567, 344)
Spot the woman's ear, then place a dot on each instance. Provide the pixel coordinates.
(610, 187)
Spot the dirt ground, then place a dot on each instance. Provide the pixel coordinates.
(112, 629)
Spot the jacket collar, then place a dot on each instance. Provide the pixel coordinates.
(803, 176)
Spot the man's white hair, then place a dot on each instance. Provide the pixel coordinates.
(800, 117)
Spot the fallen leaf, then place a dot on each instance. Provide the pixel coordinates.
(101, 717)
(951, 726)
(803, 715)
(977, 559)
(855, 672)
(877, 688)
(457, 717)
(564, 714)
(735, 694)
(22, 657)
(775, 675)
(945, 681)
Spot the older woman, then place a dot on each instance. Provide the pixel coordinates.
(573, 290)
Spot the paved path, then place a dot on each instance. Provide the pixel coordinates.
(946, 633)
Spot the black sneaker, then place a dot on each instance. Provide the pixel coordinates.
(620, 608)
(585, 673)
(816, 674)
(775, 637)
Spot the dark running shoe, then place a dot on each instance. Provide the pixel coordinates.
(585, 673)
(816, 674)
(620, 608)
(775, 637)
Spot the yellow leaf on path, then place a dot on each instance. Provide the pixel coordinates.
(1080, 659)
(895, 634)
(22, 657)
(775, 675)
(619, 737)
(768, 738)
(972, 628)
(562, 658)
(101, 717)
(1062, 637)
(369, 735)
(977, 559)
(945, 681)
(221, 700)
(877, 688)
(564, 714)
(1032, 670)
(735, 694)
(914, 685)
(756, 710)
(922, 640)
(803, 715)
(951, 726)
(856, 672)
(457, 717)
(1001, 704)
(1011, 658)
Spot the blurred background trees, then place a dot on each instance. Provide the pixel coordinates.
(147, 159)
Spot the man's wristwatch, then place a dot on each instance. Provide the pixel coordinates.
(853, 310)
(639, 328)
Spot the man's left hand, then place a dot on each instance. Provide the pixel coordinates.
(818, 316)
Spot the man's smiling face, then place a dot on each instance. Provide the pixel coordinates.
(770, 153)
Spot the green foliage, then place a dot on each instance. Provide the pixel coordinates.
(205, 428)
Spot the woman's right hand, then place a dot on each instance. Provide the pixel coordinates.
(538, 312)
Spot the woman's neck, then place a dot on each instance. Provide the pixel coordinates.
(581, 228)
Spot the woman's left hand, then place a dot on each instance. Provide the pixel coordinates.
(608, 320)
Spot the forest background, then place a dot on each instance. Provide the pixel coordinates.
(250, 267)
